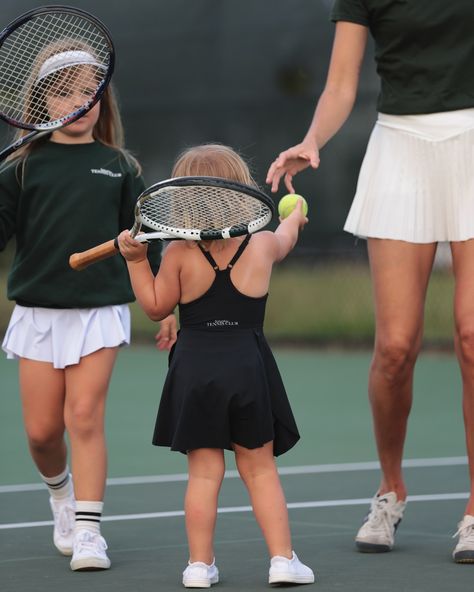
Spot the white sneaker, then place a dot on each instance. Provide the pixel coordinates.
(464, 550)
(377, 534)
(89, 552)
(289, 571)
(200, 575)
(64, 515)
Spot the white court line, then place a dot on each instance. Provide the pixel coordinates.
(298, 470)
(436, 497)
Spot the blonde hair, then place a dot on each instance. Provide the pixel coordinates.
(108, 129)
(213, 160)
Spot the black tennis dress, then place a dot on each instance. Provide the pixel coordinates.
(223, 385)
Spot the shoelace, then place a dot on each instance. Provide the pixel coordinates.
(65, 520)
(466, 533)
(89, 541)
(379, 518)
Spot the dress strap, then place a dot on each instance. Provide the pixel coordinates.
(208, 256)
(239, 252)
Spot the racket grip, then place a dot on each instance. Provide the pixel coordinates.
(79, 261)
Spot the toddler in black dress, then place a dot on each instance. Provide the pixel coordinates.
(223, 389)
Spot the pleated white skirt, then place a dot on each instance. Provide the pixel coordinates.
(63, 336)
(416, 182)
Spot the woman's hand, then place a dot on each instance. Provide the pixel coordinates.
(292, 161)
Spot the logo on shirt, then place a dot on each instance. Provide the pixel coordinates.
(222, 323)
(105, 172)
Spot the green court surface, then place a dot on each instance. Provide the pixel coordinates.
(328, 479)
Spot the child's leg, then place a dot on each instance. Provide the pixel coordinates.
(42, 394)
(86, 390)
(259, 472)
(206, 471)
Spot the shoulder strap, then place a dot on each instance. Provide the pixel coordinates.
(239, 252)
(208, 256)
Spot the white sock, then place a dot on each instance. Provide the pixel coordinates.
(60, 486)
(88, 516)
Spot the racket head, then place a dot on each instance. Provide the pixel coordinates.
(46, 54)
(203, 208)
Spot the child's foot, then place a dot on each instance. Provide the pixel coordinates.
(89, 552)
(64, 518)
(200, 575)
(289, 571)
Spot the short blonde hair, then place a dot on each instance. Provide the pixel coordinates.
(213, 160)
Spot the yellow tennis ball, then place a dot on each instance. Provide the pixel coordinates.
(288, 203)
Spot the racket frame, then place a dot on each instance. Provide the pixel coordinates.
(195, 233)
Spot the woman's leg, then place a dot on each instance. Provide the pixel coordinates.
(87, 384)
(400, 274)
(206, 471)
(259, 473)
(463, 266)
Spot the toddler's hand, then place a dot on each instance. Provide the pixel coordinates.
(131, 249)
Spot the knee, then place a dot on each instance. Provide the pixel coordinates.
(395, 356)
(83, 420)
(465, 339)
(44, 440)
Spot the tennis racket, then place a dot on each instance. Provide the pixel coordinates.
(191, 208)
(55, 64)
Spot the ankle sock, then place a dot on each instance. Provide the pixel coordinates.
(88, 516)
(60, 486)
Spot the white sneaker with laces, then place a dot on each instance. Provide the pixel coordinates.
(377, 534)
(200, 575)
(64, 515)
(289, 571)
(89, 552)
(464, 550)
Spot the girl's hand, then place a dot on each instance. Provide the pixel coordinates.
(298, 215)
(131, 249)
(166, 337)
(292, 161)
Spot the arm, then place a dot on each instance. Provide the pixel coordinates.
(332, 109)
(158, 296)
(286, 234)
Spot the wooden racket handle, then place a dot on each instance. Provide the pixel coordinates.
(79, 261)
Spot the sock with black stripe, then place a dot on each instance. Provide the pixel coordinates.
(88, 516)
(60, 486)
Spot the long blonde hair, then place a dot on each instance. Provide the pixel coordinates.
(108, 129)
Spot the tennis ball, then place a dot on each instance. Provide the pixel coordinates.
(288, 203)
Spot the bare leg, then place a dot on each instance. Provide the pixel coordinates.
(400, 273)
(86, 387)
(463, 263)
(206, 472)
(42, 395)
(259, 472)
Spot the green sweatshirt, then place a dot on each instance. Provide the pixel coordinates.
(63, 199)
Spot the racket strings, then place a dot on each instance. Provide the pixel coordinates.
(201, 208)
(31, 47)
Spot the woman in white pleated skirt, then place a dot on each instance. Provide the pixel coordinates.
(415, 189)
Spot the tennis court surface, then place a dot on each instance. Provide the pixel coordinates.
(328, 479)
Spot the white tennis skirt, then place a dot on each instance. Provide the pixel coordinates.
(63, 336)
(416, 182)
